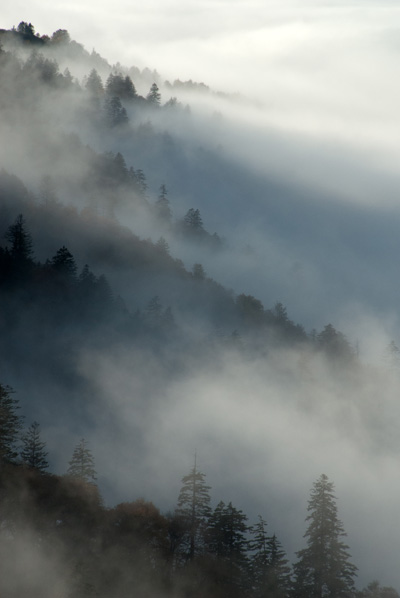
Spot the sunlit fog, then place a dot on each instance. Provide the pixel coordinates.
(199, 223)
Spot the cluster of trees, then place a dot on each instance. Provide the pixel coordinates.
(63, 295)
(108, 101)
(195, 550)
(27, 448)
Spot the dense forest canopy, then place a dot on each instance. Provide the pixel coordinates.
(123, 353)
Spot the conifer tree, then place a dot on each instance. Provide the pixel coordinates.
(10, 424)
(193, 220)
(64, 263)
(81, 465)
(20, 239)
(278, 574)
(193, 511)
(33, 452)
(260, 559)
(163, 209)
(323, 567)
(154, 96)
(94, 84)
(228, 542)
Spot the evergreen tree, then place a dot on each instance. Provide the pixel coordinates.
(193, 220)
(228, 543)
(94, 84)
(116, 114)
(141, 182)
(193, 511)
(64, 263)
(81, 465)
(26, 29)
(260, 559)
(20, 240)
(10, 424)
(323, 568)
(33, 452)
(154, 96)
(278, 574)
(163, 209)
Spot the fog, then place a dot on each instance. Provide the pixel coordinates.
(296, 168)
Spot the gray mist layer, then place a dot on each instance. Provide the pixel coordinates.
(305, 197)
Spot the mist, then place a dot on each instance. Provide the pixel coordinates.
(291, 156)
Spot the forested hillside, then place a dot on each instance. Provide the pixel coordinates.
(118, 341)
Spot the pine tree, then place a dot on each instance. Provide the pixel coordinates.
(163, 210)
(278, 575)
(260, 559)
(228, 543)
(10, 424)
(116, 114)
(323, 568)
(193, 220)
(154, 96)
(81, 465)
(64, 263)
(33, 452)
(20, 239)
(193, 511)
(94, 84)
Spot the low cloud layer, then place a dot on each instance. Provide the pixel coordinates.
(300, 174)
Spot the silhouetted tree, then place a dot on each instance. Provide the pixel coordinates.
(33, 452)
(193, 220)
(94, 84)
(10, 424)
(260, 559)
(154, 96)
(324, 567)
(116, 114)
(228, 542)
(163, 210)
(278, 575)
(20, 240)
(26, 29)
(81, 465)
(141, 181)
(64, 263)
(121, 87)
(193, 510)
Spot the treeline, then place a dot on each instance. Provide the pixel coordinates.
(134, 549)
(63, 296)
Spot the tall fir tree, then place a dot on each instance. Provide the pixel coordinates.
(21, 248)
(278, 574)
(163, 210)
(228, 543)
(10, 424)
(154, 96)
(323, 568)
(193, 511)
(33, 453)
(81, 465)
(260, 558)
